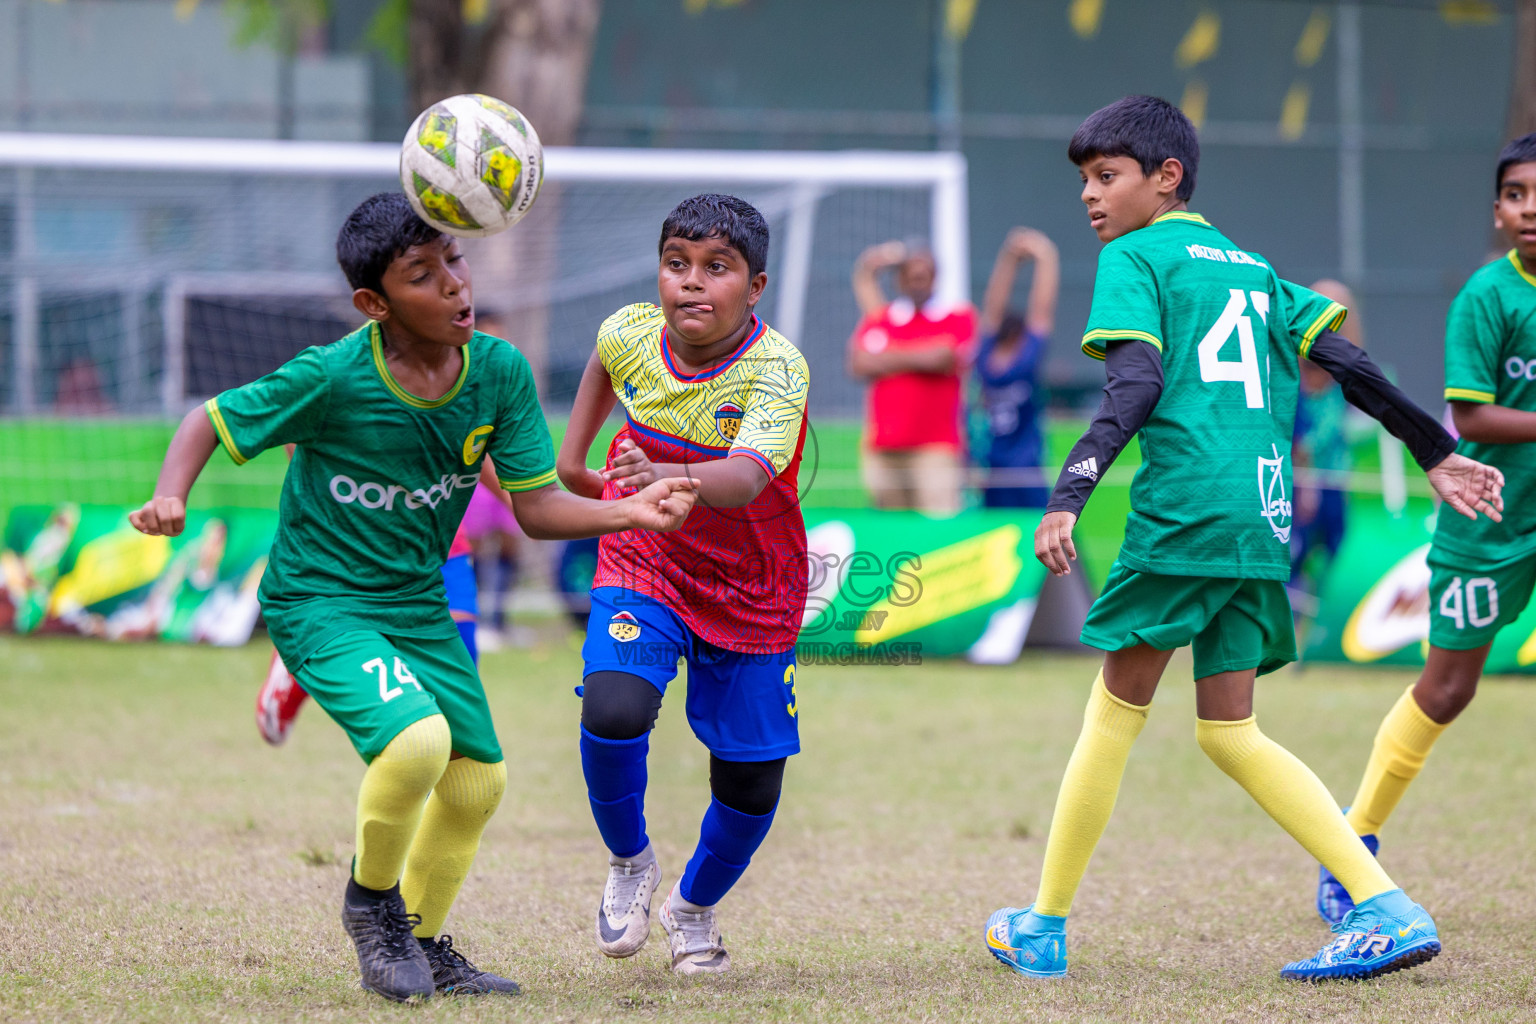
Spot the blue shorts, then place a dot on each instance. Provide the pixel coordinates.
(459, 582)
(741, 706)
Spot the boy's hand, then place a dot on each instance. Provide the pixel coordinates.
(1468, 486)
(1053, 542)
(663, 505)
(631, 468)
(160, 517)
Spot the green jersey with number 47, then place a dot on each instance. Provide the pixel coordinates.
(379, 482)
(1213, 494)
(1490, 357)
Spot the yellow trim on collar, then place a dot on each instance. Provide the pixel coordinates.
(222, 429)
(376, 342)
(1514, 258)
(1193, 218)
(1468, 395)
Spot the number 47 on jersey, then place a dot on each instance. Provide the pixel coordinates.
(1245, 369)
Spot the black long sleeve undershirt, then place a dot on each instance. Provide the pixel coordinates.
(1135, 383)
(1366, 388)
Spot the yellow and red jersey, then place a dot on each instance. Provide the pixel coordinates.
(737, 576)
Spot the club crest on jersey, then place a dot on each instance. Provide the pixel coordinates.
(623, 627)
(728, 420)
(1274, 503)
(474, 444)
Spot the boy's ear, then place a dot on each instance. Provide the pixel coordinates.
(755, 287)
(371, 304)
(1169, 176)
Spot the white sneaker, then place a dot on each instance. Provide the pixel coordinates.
(695, 939)
(624, 915)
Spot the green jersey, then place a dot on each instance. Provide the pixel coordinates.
(379, 482)
(1490, 357)
(1213, 494)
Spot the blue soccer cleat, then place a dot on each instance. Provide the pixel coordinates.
(1386, 933)
(1034, 945)
(1333, 900)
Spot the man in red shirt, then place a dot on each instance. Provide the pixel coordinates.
(914, 352)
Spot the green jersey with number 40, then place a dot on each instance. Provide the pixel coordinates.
(1490, 357)
(379, 482)
(1213, 494)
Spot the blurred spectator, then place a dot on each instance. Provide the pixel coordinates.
(496, 541)
(81, 390)
(1320, 455)
(1007, 367)
(913, 352)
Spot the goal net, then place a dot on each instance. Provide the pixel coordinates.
(140, 275)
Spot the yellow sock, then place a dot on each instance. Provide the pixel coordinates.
(1087, 796)
(1402, 744)
(1296, 799)
(390, 800)
(446, 843)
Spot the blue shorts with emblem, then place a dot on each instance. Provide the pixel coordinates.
(741, 706)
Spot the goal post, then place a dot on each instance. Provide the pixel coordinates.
(240, 184)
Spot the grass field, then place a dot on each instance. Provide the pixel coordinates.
(157, 862)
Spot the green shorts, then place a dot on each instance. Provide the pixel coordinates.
(1233, 624)
(1470, 600)
(374, 686)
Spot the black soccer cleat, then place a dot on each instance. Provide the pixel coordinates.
(391, 960)
(455, 975)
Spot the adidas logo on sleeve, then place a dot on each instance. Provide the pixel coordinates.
(1089, 468)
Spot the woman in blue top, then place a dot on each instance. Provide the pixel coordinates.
(1007, 365)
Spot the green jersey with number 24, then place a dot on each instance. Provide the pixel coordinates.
(379, 482)
(1213, 494)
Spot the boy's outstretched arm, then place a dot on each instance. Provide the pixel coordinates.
(594, 401)
(165, 515)
(731, 482)
(1466, 485)
(1135, 382)
(548, 513)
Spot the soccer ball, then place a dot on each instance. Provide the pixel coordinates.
(471, 165)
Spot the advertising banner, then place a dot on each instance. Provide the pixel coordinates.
(1375, 604)
(73, 568)
(885, 587)
(895, 587)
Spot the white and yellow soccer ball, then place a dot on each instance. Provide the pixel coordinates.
(471, 165)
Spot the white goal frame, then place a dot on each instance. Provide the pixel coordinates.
(811, 174)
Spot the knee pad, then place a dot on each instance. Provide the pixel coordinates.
(618, 705)
(751, 787)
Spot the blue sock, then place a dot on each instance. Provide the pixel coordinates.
(727, 841)
(616, 777)
(467, 634)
